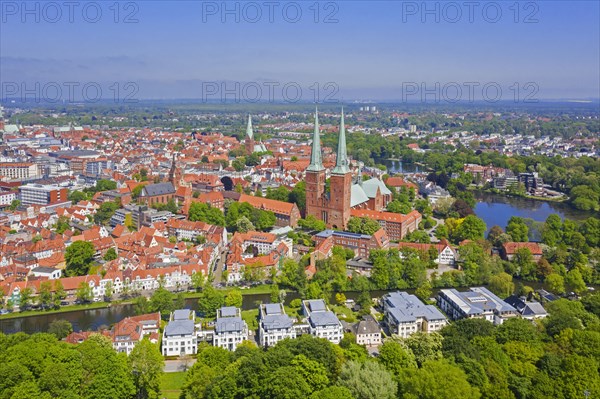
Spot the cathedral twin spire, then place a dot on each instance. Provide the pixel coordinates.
(249, 131)
(316, 161)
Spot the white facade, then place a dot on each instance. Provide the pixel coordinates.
(7, 197)
(38, 194)
(180, 335)
(19, 171)
(368, 332)
(322, 322)
(446, 257)
(369, 339)
(274, 325)
(230, 330)
(48, 272)
(479, 302)
(405, 315)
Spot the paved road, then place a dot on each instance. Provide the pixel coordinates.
(173, 366)
(219, 264)
(431, 230)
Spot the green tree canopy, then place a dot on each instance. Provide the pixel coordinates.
(79, 257)
(363, 225)
(146, 364)
(368, 380)
(437, 379)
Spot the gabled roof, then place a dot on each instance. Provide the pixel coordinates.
(513, 247)
(280, 207)
(370, 187)
(367, 326)
(357, 195)
(152, 190)
(397, 181)
(179, 327)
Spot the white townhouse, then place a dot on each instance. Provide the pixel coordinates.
(367, 331)
(405, 315)
(179, 336)
(50, 273)
(230, 329)
(111, 278)
(274, 324)
(322, 322)
(446, 255)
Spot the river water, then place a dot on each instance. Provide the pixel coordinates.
(394, 167)
(496, 209)
(93, 319)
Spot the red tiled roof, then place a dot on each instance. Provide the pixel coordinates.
(513, 247)
(280, 207)
(387, 216)
(397, 181)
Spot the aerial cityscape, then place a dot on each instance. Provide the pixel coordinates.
(280, 200)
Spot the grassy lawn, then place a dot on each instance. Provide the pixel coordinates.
(251, 318)
(258, 289)
(293, 312)
(171, 384)
(344, 313)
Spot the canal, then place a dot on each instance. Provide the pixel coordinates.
(94, 319)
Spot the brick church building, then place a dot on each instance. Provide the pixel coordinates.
(334, 207)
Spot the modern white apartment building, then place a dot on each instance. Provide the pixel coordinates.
(19, 171)
(479, 302)
(180, 337)
(322, 322)
(405, 315)
(7, 197)
(274, 324)
(230, 329)
(41, 194)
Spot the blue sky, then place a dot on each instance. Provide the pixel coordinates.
(372, 51)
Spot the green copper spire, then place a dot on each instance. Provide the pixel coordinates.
(316, 161)
(249, 132)
(341, 164)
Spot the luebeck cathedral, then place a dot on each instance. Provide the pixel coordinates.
(334, 207)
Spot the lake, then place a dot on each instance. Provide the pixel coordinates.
(394, 167)
(496, 209)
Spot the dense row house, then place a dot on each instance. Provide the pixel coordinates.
(160, 244)
(256, 250)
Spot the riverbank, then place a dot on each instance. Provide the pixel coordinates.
(559, 200)
(255, 290)
(62, 309)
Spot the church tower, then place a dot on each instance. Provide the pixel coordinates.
(249, 140)
(340, 184)
(175, 174)
(1, 120)
(316, 203)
